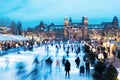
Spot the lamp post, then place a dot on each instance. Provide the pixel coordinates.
(17, 48)
(101, 57)
(0, 50)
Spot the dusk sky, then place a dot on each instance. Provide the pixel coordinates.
(31, 12)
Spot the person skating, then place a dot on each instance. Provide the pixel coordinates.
(63, 60)
(67, 69)
(82, 71)
(49, 62)
(87, 66)
(77, 61)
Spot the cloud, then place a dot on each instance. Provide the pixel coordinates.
(32, 10)
(8, 6)
(28, 10)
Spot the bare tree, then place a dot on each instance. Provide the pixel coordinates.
(13, 27)
(4, 22)
(19, 28)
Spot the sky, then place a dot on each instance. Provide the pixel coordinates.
(31, 12)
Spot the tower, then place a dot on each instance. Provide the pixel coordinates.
(85, 22)
(66, 22)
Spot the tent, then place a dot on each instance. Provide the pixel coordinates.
(19, 37)
(12, 38)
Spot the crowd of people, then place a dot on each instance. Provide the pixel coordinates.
(82, 62)
(81, 65)
(74, 48)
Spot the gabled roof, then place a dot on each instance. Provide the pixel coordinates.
(106, 23)
(95, 26)
(76, 24)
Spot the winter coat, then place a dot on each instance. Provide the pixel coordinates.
(87, 64)
(77, 60)
(82, 69)
(67, 66)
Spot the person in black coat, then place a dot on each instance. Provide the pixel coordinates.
(67, 68)
(36, 60)
(67, 53)
(87, 65)
(77, 61)
(82, 69)
(49, 62)
(63, 60)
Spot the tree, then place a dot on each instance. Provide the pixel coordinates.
(110, 73)
(89, 54)
(4, 21)
(86, 48)
(98, 70)
(19, 28)
(13, 28)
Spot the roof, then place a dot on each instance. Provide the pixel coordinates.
(95, 26)
(106, 23)
(12, 38)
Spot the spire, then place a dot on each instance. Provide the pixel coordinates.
(83, 19)
(70, 19)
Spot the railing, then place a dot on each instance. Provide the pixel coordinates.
(11, 50)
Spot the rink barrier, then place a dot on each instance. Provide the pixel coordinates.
(11, 50)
